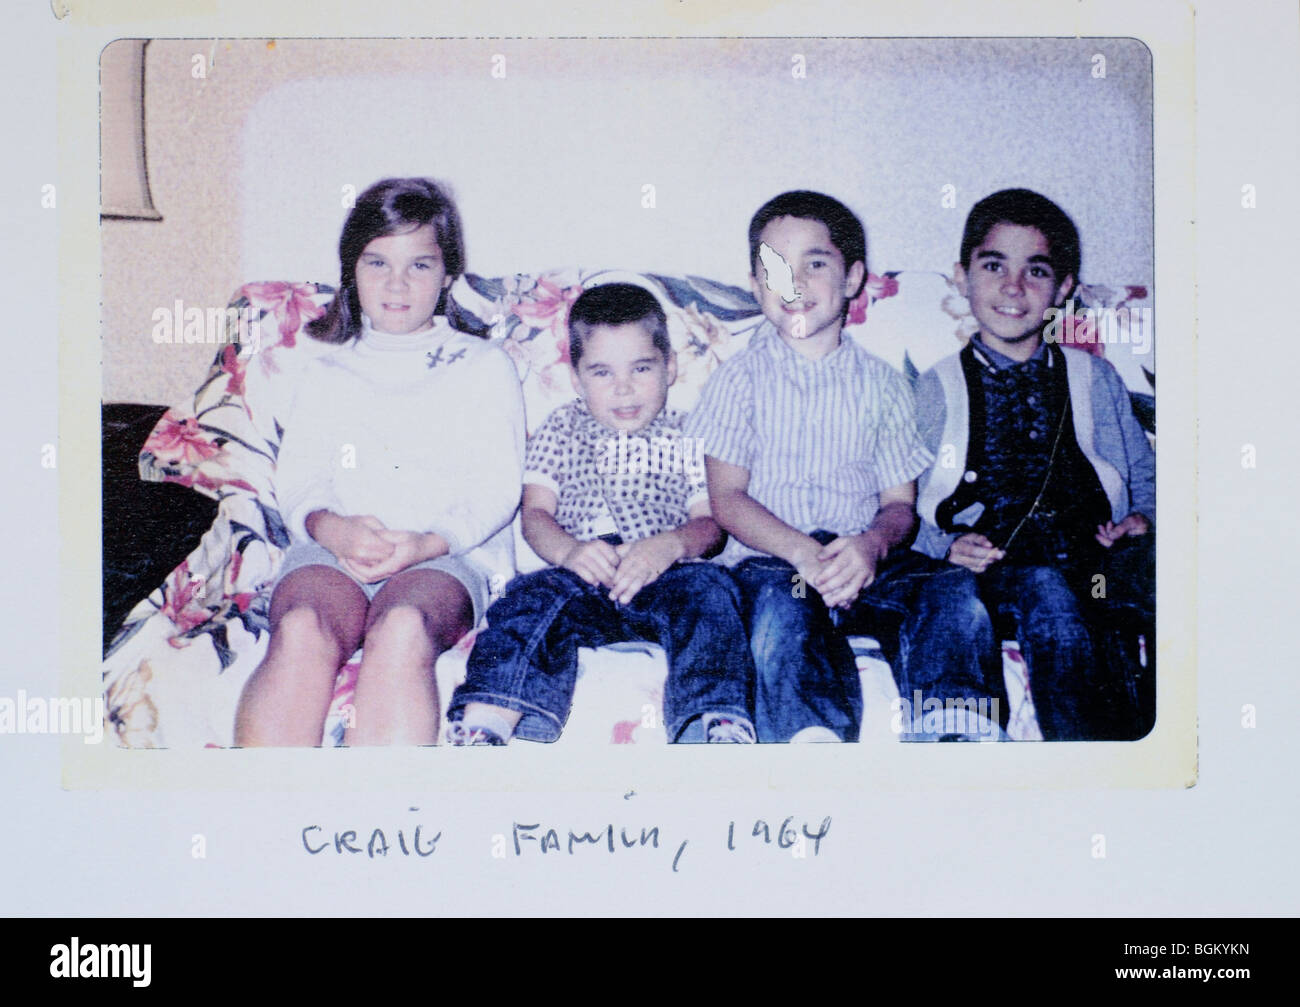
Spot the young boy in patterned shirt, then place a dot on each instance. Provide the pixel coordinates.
(616, 500)
(812, 454)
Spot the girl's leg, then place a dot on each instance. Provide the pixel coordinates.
(317, 616)
(416, 616)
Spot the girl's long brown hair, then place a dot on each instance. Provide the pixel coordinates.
(391, 206)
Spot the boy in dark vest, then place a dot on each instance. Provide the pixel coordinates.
(1044, 484)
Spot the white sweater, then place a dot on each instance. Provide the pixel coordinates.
(425, 431)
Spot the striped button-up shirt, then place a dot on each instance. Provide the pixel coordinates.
(819, 438)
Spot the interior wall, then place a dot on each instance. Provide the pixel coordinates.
(251, 163)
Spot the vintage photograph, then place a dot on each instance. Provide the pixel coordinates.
(610, 391)
(689, 459)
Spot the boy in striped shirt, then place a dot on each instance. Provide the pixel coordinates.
(812, 454)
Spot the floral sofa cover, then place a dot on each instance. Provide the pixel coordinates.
(175, 669)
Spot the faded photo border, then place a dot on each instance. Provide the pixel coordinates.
(1164, 759)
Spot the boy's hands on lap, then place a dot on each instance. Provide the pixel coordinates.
(808, 563)
(624, 570)
(974, 552)
(643, 562)
(1110, 533)
(848, 564)
(595, 562)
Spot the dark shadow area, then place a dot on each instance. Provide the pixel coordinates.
(148, 528)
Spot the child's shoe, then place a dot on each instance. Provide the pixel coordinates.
(720, 729)
(459, 735)
(815, 735)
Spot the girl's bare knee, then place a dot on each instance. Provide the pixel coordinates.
(305, 629)
(404, 627)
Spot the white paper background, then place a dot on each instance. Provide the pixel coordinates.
(1223, 847)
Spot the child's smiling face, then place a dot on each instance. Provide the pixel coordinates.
(399, 280)
(622, 376)
(1010, 286)
(818, 277)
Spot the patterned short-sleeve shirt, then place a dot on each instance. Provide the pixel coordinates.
(633, 485)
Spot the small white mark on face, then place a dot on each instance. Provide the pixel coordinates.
(780, 277)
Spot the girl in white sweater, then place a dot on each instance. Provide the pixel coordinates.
(397, 477)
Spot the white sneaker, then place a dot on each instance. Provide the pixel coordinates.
(815, 735)
(459, 736)
(724, 729)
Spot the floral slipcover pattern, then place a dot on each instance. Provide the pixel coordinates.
(174, 672)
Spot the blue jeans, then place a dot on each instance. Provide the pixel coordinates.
(1128, 610)
(926, 614)
(1076, 625)
(1049, 623)
(527, 658)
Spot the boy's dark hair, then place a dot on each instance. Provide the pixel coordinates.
(616, 304)
(390, 206)
(1027, 209)
(842, 223)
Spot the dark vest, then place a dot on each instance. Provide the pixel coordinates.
(1015, 414)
